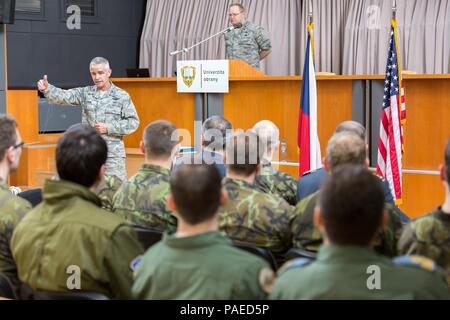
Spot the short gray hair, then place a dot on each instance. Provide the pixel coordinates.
(100, 60)
(268, 134)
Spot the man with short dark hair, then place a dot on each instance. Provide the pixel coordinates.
(142, 199)
(215, 131)
(252, 217)
(349, 215)
(343, 148)
(68, 242)
(269, 179)
(429, 235)
(12, 208)
(197, 262)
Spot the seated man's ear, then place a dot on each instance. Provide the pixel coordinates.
(442, 173)
(101, 173)
(142, 147)
(318, 220)
(223, 197)
(171, 203)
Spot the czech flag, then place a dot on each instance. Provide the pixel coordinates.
(308, 140)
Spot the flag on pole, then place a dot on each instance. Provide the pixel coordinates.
(393, 116)
(308, 139)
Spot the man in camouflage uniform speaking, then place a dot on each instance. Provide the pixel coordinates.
(247, 41)
(105, 107)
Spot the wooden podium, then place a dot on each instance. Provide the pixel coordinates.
(241, 69)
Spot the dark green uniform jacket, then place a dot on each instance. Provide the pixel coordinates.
(350, 272)
(12, 210)
(204, 266)
(69, 230)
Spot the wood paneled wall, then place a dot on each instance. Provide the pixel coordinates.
(276, 99)
(156, 100)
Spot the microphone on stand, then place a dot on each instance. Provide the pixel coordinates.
(186, 50)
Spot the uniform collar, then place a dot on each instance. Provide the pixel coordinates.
(345, 253)
(56, 190)
(110, 91)
(201, 240)
(237, 182)
(154, 169)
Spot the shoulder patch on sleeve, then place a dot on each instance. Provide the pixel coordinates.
(266, 279)
(418, 262)
(135, 264)
(292, 264)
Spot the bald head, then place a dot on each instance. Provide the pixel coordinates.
(345, 148)
(269, 136)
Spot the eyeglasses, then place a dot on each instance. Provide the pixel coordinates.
(234, 14)
(19, 145)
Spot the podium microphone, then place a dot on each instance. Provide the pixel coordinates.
(186, 50)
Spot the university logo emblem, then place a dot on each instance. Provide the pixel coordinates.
(188, 74)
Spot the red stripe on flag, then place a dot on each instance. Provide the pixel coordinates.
(304, 145)
(393, 159)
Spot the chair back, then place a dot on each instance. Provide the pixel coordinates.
(147, 237)
(261, 252)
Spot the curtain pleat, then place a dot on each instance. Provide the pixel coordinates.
(351, 36)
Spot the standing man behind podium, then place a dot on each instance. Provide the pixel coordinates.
(247, 42)
(105, 107)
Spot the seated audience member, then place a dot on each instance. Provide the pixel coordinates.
(250, 216)
(107, 189)
(12, 208)
(429, 235)
(142, 199)
(269, 179)
(343, 148)
(214, 136)
(68, 242)
(310, 182)
(349, 215)
(197, 262)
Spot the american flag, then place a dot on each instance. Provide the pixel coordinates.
(393, 114)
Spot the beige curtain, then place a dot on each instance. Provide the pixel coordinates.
(351, 36)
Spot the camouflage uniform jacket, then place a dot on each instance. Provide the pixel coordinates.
(308, 237)
(429, 236)
(142, 199)
(107, 190)
(246, 43)
(114, 108)
(12, 211)
(69, 229)
(256, 218)
(270, 180)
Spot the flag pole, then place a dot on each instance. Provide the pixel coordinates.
(394, 9)
(311, 26)
(310, 13)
